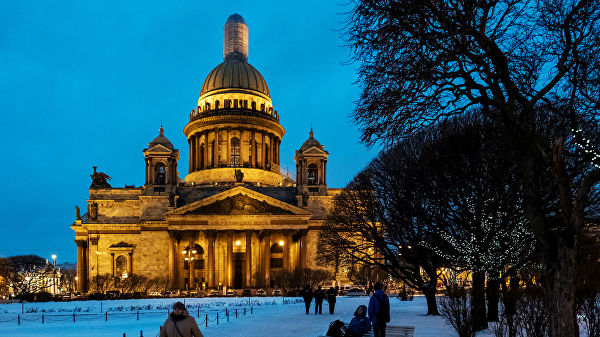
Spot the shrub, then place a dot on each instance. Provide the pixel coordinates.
(456, 309)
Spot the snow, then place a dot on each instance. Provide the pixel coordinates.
(271, 317)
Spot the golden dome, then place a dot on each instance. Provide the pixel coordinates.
(235, 74)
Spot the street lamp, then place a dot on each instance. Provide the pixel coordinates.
(54, 260)
(190, 255)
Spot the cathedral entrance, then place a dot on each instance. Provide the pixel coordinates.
(238, 270)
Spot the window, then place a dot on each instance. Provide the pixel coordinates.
(201, 154)
(276, 248)
(253, 105)
(276, 262)
(121, 265)
(235, 152)
(313, 174)
(267, 154)
(217, 104)
(160, 177)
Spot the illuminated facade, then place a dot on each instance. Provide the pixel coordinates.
(235, 219)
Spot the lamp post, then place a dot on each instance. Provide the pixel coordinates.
(54, 260)
(190, 256)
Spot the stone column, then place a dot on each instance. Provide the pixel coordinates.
(272, 149)
(248, 258)
(263, 158)
(194, 153)
(267, 257)
(218, 148)
(304, 172)
(130, 263)
(211, 258)
(205, 161)
(112, 264)
(286, 250)
(278, 153)
(228, 160)
(253, 149)
(147, 175)
(197, 152)
(243, 148)
(81, 265)
(325, 172)
(229, 259)
(303, 249)
(190, 152)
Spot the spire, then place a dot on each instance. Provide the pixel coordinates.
(311, 133)
(235, 39)
(161, 131)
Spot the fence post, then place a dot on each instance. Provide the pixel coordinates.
(141, 333)
(198, 312)
(138, 316)
(106, 316)
(251, 311)
(227, 314)
(124, 334)
(100, 306)
(19, 319)
(22, 307)
(236, 313)
(207, 320)
(73, 317)
(244, 311)
(42, 318)
(217, 318)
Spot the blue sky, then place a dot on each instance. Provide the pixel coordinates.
(86, 83)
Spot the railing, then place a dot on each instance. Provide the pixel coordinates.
(232, 112)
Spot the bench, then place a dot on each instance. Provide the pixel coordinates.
(394, 331)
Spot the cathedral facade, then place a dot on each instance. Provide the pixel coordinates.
(236, 218)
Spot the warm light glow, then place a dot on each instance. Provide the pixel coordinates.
(184, 252)
(186, 258)
(281, 243)
(238, 242)
(53, 256)
(193, 252)
(27, 278)
(124, 275)
(76, 278)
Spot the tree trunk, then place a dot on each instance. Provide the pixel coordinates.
(432, 308)
(493, 297)
(560, 287)
(478, 301)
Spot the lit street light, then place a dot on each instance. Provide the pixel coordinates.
(54, 260)
(190, 255)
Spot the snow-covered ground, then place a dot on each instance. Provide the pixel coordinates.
(270, 318)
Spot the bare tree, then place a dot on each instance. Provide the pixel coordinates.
(315, 277)
(26, 273)
(423, 61)
(102, 283)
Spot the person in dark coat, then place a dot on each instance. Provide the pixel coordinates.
(180, 323)
(375, 302)
(307, 294)
(360, 324)
(331, 294)
(319, 296)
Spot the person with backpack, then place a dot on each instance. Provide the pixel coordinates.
(307, 294)
(319, 296)
(180, 323)
(331, 298)
(379, 310)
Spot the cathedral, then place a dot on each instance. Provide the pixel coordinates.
(236, 218)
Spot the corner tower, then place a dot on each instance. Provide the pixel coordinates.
(311, 167)
(161, 165)
(234, 126)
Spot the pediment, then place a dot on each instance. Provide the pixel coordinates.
(315, 150)
(158, 148)
(238, 201)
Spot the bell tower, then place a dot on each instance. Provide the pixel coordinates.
(311, 167)
(161, 165)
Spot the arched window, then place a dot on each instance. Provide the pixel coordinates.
(227, 103)
(313, 174)
(277, 248)
(262, 107)
(277, 255)
(235, 152)
(217, 104)
(253, 105)
(121, 265)
(160, 176)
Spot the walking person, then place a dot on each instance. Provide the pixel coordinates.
(319, 295)
(180, 323)
(331, 298)
(379, 310)
(307, 294)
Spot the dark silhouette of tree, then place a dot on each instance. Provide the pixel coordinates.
(421, 62)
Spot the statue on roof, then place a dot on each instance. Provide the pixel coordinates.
(99, 180)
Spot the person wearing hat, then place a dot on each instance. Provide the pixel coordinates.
(180, 324)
